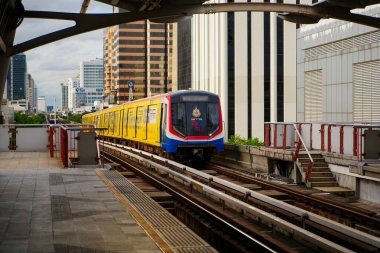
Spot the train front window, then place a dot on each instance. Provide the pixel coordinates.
(212, 118)
(179, 118)
(195, 118)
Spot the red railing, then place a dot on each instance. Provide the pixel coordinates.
(51, 141)
(334, 137)
(308, 171)
(64, 147)
(273, 142)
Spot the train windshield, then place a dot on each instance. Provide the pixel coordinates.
(195, 118)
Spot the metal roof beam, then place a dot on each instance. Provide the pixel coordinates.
(90, 22)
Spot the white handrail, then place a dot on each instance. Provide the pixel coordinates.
(303, 143)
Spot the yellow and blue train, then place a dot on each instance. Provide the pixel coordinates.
(182, 124)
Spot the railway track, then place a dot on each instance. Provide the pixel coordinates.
(278, 224)
(352, 216)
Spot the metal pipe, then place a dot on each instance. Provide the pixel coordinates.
(303, 143)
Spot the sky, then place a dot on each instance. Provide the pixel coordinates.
(52, 64)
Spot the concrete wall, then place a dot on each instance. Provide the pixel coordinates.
(366, 188)
(246, 157)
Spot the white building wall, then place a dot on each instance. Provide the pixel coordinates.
(258, 75)
(335, 47)
(210, 66)
(241, 73)
(290, 71)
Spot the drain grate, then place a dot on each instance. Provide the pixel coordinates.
(181, 237)
(174, 232)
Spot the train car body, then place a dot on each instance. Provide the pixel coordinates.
(183, 124)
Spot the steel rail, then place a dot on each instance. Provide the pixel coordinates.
(194, 204)
(271, 219)
(354, 233)
(354, 211)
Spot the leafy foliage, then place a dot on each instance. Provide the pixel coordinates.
(76, 118)
(236, 139)
(21, 118)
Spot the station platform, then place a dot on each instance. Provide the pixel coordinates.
(47, 208)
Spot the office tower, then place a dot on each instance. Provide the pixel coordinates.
(140, 54)
(64, 96)
(92, 80)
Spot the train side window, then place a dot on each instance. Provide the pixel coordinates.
(179, 118)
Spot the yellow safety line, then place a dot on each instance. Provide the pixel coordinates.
(164, 246)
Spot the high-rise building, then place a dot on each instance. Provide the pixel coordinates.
(35, 96)
(41, 104)
(244, 57)
(72, 84)
(30, 92)
(18, 77)
(184, 54)
(64, 96)
(140, 54)
(92, 79)
(9, 86)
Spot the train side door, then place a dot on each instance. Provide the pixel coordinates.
(132, 122)
(141, 121)
(112, 123)
(106, 123)
(125, 124)
(153, 124)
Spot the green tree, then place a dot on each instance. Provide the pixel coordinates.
(22, 118)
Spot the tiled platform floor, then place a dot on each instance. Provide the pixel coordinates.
(45, 208)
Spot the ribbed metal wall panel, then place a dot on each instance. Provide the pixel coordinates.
(313, 96)
(366, 91)
(334, 47)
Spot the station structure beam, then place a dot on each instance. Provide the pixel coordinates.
(152, 10)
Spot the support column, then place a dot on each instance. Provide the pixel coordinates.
(273, 65)
(8, 39)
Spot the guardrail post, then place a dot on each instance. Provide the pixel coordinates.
(329, 138)
(267, 135)
(308, 171)
(275, 136)
(341, 136)
(355, 142)
(284, 138)
(51, 141)
(64, 147)
(311, 136)
(322, 137)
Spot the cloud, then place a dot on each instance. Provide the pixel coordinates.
(52, 64)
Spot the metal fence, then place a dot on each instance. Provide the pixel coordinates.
(74, 144)
(361, 141)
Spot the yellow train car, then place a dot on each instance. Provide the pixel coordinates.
(184, 123)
